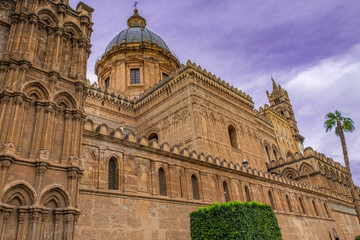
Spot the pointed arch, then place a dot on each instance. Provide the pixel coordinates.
(72, 29)
(65, 99)
(306, 169)
(20, 190)
(36, 89)
(55, 193)
(289, 173)
(49, 17)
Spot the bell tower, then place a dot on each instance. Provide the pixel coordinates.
(280, 102)
(44, 49)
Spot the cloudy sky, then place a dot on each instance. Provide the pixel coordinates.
(310, 47)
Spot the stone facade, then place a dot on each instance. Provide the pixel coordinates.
(131, 156)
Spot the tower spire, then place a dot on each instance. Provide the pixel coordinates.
(275, 86)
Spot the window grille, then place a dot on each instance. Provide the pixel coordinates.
(162, 182)
(271, 201)
(226, 193)
(135, 76)
(195, 187)
(247, 193)
(112, 175)
(288, 202)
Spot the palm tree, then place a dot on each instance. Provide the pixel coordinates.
(343, 124)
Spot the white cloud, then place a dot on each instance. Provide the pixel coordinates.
(333, 84)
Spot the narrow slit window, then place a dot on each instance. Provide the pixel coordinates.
(135, 76)
(288, 203)
(316, 211)
(302, 206)
(247, 193)
(271, 201)
(226, 192)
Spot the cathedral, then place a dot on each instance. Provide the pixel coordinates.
(132, 155)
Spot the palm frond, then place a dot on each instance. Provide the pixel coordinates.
(348, 125)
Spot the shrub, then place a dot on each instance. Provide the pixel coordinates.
(230, 221)
(357, 237)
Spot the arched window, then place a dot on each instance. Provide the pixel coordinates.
(267, 153)
(275, 155)
(153, 136)
(226, 192)
(113, 174)
(326, 210)
(302, 206)
(195, 187)
(271, 201)
(247, 193)
(232, 136)
(162, 182)
(288, 203)
(314, 205)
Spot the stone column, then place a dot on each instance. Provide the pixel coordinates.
(74, 57)
(17, 46)
(9, 146)
(21, 218)
(68, 226)
(5, 216)
(5, 163)
(34, 218)
(49, 48)
(41, 168)
(66, 141)
(38, 116)
(42, 225)
(57, 229)
(44, 152)
(75, 134)
(28, 50)
(72, 177)
(14, 23)
(4, 104)
(58, 34)
(19, 136)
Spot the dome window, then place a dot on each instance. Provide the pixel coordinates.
(164, 75)
(107, 83)
(135, 76)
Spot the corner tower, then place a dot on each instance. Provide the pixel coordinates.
(44, 46)
(280, 102)
(134, 60)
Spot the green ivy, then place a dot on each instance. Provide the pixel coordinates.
(235, 220)
(357, 237)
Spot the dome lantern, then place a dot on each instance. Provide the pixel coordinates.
(136, 20)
